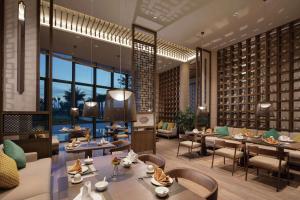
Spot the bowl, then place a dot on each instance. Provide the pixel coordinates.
(161, 191)
(126, 163)
(101, 185)
(88, 161)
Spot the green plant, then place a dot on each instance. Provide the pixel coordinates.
(185, 120)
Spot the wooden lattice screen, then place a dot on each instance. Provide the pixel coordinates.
(30, 130)
(144, 67)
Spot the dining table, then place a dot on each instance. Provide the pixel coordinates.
(89, 147)
(131, 183)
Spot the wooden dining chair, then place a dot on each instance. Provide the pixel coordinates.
(189, 141)
(199, 178)
(268, 159)
(155, 159)
(121, 145)
(227, 150)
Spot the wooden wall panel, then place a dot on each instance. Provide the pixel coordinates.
(264, 68)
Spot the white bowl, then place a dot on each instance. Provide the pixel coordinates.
(126, 163)
(101, 185)
(88, 161)
(161, 191)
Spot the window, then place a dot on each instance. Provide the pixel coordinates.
(100, 96)
(63, 94)
(119, 80)
(61, 103)
(84, 74)
(62, 69)
(42, 65)
(42, 95)
(103, 78)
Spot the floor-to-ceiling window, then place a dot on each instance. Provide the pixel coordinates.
(73, 84)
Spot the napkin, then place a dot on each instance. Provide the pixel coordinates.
(76, 167)
(161, 177)
(132, 156)
(196, 131)
(87, 194)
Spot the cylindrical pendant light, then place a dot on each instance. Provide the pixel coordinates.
(120, 106)
(90, 109)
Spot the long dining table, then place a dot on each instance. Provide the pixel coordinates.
(131, 183)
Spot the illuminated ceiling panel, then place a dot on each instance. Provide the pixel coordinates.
(75, 22)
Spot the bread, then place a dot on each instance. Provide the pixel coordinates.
(76, 167)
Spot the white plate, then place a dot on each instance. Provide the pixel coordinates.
(83, 170)
(154, 182)
(149, 172)
(76, 182)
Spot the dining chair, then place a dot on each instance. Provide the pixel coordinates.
(228, 150)
(197, 177)
(155, 159)
(190, 141)
(121, 145)
(268, 159)
(123, 135)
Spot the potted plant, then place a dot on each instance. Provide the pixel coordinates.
(185, 120)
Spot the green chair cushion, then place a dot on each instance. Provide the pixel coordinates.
(164, 126)
(271, 132)
(15, 152)
(223, 131)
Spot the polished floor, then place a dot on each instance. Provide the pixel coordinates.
(230, 187)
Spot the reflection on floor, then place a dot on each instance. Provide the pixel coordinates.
(230, 188)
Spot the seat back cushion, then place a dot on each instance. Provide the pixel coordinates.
(160, 124)
(164, 126)
(222, 131)
(9, 175)
(271, 133)
(171, 126)
(15, 152)
(296, 137)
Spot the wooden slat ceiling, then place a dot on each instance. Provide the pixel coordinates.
(73, 21)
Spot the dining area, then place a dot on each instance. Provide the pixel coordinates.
(123, 174)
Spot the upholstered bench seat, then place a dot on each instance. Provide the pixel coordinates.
(35, 181)
(229, 153)
(266, 162)
(190, 143)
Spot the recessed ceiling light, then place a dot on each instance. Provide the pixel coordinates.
(235, 14)
(77, 36)
(96, 45)
(154, 17)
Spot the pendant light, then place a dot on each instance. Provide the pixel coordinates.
(120, 103)
(91, 108)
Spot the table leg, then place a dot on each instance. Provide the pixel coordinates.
(88, 153)
(203, 147)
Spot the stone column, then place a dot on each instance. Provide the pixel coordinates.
(214, 68)
(184, 97)
(12, 100)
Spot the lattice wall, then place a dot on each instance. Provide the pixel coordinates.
(144, 67)
(169, 94)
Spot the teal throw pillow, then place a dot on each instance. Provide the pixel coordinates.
(164, 126)
(15, 152)
(272, 132)
(223, 131)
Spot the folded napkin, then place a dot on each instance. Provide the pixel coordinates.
(132, 156)
(161, 177)
(86, 193)
(76, 167)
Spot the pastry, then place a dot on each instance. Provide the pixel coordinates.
(76, 167)
(161, 177)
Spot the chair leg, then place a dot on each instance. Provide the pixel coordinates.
(233, 167)
(178, 149)
(246, 177)
(212, 161)
(288, 174)
(257, 171)
(224, 160)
